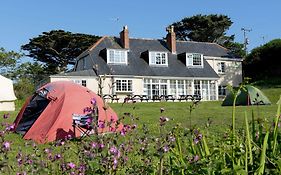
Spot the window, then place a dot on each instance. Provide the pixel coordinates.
(194, 60)
(84, 83)
(222, 90)
(221, 67)
(158, 58)
(117, 56)
(124, 86)
(81, 82)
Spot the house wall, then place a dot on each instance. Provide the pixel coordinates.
(92, 82)
(233, 70)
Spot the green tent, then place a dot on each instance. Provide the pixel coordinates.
(250, 95)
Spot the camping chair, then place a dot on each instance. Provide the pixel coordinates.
(85, 123)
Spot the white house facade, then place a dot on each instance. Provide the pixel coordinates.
(150, 67)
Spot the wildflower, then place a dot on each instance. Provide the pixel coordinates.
(162, 110)
(94, 144)
(115, 162)
(71, 165)
(87, 110)
(101, 124)
(166, 148)
(6, 145)
(93, 102)
(20, 161)
(57, 157)
(172, 139)
(5, 116)
(195, 158)
(113, 150)
(163, 120)
(10, 127)
(101, 146)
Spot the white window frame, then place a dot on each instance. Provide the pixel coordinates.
(221, 69)
(122, 85)
(190, 60)
(160, 60)
(117, 56)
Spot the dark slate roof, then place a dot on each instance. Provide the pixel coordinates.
(137, 66)
(88, 72)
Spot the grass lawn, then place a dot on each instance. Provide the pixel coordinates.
(178, 112)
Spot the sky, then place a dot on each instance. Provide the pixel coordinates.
(21, 20)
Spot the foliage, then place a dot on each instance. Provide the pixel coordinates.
(24, 87)
(208, 28)
(8, 59)
(264, 62)
(58, 48)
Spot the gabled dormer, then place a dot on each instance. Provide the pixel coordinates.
(192, 60)
(117, 56)
(155, 58)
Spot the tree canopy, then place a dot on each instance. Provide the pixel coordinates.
(264, 61)
(8, 59)
(208, 28)
(58, 48)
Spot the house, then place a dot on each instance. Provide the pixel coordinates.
(7, 95)
(123, 66)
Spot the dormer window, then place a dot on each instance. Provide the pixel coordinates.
(158, 58)
(117, 56)
(194, 60)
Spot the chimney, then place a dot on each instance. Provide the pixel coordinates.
(171, 39)
(124, 37)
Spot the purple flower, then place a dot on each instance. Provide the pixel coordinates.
(94, 144)
(195, 158)
(166, 148)
(172, 139)
(115, 162)
(87, 110)
(6, 145)
(93, 101)
(101, 146)
(113, 150)
(57, 157)
(20, 161)
(101, 124)
(71, 165)
(5, 116)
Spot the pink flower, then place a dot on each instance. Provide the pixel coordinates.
(71, 165)
(6, 145)
(93, 101)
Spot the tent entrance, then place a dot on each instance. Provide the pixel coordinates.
(33, 110)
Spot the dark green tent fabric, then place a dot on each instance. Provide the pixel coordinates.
(250, 95)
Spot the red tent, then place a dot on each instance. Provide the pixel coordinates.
(47, 115)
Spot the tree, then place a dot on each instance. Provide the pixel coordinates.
(208, 28)
(58, 48)
(264, 62)
(8, 60)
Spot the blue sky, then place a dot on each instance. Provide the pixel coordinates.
(22, 20)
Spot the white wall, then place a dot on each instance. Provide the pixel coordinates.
(233, 70)
(92, 82)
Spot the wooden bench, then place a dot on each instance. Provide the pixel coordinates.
(156, 98)
(111, 97)
(170, 97)
(144, 98)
